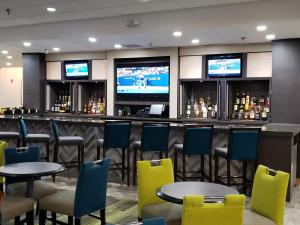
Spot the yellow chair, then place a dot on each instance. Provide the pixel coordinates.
(229, 212)
(150, 178)
(268, 198)
(3, 146)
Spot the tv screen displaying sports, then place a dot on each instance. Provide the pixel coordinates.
(77, 70)
(143, 80)
(224, 66)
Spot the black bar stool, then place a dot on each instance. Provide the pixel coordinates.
(155, 138)
(11, 135)
(117, 135)
(33, 138)
(197, 141)
(242, 146)
(70, 141)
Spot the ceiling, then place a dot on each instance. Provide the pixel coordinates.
(212, 21)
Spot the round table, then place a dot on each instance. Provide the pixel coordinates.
(175, 192)
(30, 171)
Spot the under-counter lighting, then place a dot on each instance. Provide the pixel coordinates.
(261, 28)
(270, 36)
(8, 64)
(177, 33)
(92, 39)
(56, 49)
(4, 52)
(51, 9)
(118, 46)
(9, 57)
(27, 44)
(195, 41)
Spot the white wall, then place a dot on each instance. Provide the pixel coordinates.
(11, 87)
(138, 53)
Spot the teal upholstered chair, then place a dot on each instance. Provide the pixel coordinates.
(89, 196)
(155, 138)
(157, 221)
(242, 146)
(33, 138)
(197, 142)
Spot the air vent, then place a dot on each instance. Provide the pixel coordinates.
(132, 46)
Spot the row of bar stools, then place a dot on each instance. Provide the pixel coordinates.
(197, 142)
(242, 146)
(117, 136)
(33, 138)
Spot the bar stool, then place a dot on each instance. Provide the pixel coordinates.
(10, 135)
(117, 135)
(33, 138)
(242, 146)
(155, 138)
(197, 141)
(67, 141)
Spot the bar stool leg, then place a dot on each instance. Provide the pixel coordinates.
(123, 164)
(183, 166)
(30, 218)
(82, 154)
(42, 217)
(55, 154)
(18, 143)
(53, 215)
(77, 221)
(78, 157)
(228, 172)
(102, 216)
(70, 220)
(134, 165)
(202, 173)
(160, 155)
(104, 152)
(128, 166)
(216, 169)
(210, 168)
(98, 152)
(175, 164)
(245, 176)
(47, 151)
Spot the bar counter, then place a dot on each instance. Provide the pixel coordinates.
(277, 148)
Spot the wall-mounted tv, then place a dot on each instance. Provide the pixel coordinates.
(145, 79)
(224, 66)
(76, 70)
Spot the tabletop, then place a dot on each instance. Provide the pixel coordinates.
(30, 169)
(175, 192)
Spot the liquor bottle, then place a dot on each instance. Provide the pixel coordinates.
(252, 114)
(196, 109)
(257, 113)
(214, 112)
(188, 109)
(243, 100)
(237, 98)
(264, 115)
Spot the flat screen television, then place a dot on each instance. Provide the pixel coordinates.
(148, 79)
(78, 70)
(224, 66)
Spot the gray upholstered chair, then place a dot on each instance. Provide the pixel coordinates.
(10, 135)
(12, 207)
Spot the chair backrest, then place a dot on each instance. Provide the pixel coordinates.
(155, 136)
(117, 134)
(150, 178)
(3, 146)
(198, 140)
(156, 221)
(23, 127)
(90, 195)
(54, 130)
(243, 143)
(19, 155)
(197, 212)
(269, 194)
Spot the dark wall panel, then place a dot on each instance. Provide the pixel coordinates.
(285, 104)
(34, 73)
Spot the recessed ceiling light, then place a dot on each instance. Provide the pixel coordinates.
(9, 57)
(261, 28)
(51, 9)
(8, 64)
(195, 41)
(118, 46)
(92, 39)
(4, 52)
(56, 49)
(270, 36)
(27, 44)
(177, 33)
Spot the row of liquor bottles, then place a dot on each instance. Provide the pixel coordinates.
(94, 106)
(201, 108)
(62, 103)
(250, 107)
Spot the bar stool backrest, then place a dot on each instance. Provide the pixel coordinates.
(243, 143)
(91, 188)
(117, 134)
(198, 140)
(155, 137)
(20, 155)
(54, 130)
(23, 128)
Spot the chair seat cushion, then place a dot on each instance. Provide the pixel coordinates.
(253, 218)
(222, 152)
(9, 135)
(70, 140)
(37, 137)
(13, 206)
(178, 147)
(40, 189)
(171, 212)
(100, 142)
(61, 202)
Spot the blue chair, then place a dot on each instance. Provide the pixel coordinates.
(155, 138)
(33, 138)
(117, 136)
(197, 142)
(89, 196)
(157, 221)
(242, 146)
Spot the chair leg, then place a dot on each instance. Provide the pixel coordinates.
(183, 166)
(128, 166)
(17, 220)
(53, 215)
(202, 173)
(134, 166)
(244, 176)
(42, 217)
(30, 218)
(216, 169)
(48, 151)
(175, 164)
(77, 221)
(123, 164)
(210, 168)
(102, 217)
(70, 220)
(228, 172)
